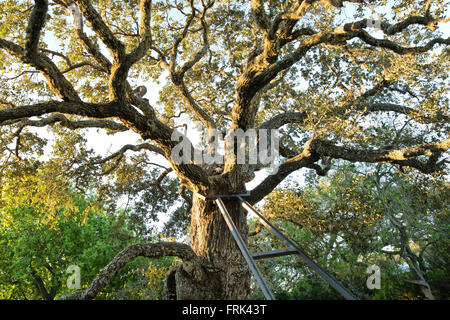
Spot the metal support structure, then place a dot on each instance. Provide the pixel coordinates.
(223, 196)
(290, 244)
(241, 244)
(292, 248)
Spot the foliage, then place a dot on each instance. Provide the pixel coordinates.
(346, 224)
(44, 230)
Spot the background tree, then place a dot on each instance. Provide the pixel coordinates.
(359, 216)
(45, 227)
(313, 69)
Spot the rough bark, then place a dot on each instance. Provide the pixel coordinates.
(191, 266)
(227, 272)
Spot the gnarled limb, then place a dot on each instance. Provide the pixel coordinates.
(404, 157)
(177, 74)
(116, 47)
(35, 24)
(316, 149)
(125, 148)
(148, 129)
(284, 118)
(93, 110)
(191, 265)
(122, 61)
(56, 80)
(306, 158)
(65, 122)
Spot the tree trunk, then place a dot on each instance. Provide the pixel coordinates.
(227, 273)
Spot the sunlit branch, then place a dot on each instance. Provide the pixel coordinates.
(56, 80)
(93, 110)
(177, 75)
(317, 148)
(65, 122)
(125, 148)
(148, 250)
(101, 29)
(35, 25)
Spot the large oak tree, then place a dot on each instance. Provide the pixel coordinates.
(336, 83)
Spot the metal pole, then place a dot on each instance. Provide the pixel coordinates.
(241, 244)
(321, 271)
(274, 253)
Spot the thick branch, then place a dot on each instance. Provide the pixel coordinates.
(395, 47)
(95, 52)
(63, 121)
(261, 71)
(177, 76)
(35, 25)
(391, 107)
(93, 49)
(147, 129)
(101, 29)
(260, 15)
(136, 148)
(403, 157)
(304, 159)
(284, 118)
(122, 62)
(56, 80)
(316, 149)
(145, 7)
(259, 74)
(190, 264)
(92, 110)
